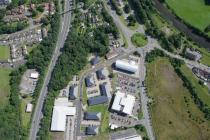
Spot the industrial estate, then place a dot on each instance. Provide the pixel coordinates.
(104, 70)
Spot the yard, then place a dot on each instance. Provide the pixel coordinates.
(194, 12)
(173, 112)
(25, 116)
(139, 40)
(4, 52)
(4, 84)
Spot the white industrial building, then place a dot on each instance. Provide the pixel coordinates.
(60, 112)
(123, 103)
(129, 66)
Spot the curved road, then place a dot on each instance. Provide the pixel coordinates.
(64, 28)
(164, 12)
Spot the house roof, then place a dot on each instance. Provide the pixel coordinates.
(95, 60)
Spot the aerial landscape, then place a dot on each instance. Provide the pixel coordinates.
(105, 69)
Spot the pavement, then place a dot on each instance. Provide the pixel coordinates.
(38, 114)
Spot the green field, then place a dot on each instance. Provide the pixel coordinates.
(174, 114)
(4, 85)
(194, 12)
(4, 52)
(139, 40)
(105, 116)
(25, 116)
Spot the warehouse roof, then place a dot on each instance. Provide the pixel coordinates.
(128, 134)
(59, 117)
(123, 103)
(129, 66)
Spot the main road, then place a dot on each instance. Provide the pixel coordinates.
(64, 29)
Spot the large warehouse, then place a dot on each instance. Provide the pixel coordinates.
(62, 108)
(129, 66)
(123, 103)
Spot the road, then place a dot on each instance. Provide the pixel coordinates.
(181, 26)
(65, 25)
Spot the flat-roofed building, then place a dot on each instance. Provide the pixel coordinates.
(100, 74)
(89, 81)
(34, 75)
(128, 66)
(123, 103)
(59, 117)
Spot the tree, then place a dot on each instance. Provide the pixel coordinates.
(127, 8)
(131, 20)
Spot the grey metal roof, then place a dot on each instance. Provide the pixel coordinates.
(91, 130)
(95, 60)
(92, 116)
(123, 134)
(89, 81)
(104, 90)
(73, 92)
(100, 74)
(97, 100)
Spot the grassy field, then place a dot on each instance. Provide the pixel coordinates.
(174, 114)
(139, 40)
(205, 55)
(4, 52)
(105, 116)
(4, 85)
(194, 12)
(202, 91)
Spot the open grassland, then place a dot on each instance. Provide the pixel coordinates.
(205, 56)
(105, 116)
(25, 116)
(203, 92)
(4, 85)
(4, 52)
(194, 12)
(174, 114)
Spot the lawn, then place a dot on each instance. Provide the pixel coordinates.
(139, 40)
(4, 84)
(105, 116)
(173, 112)
(202, 91)
(205, 55)
(4, 52)
(194, 12)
